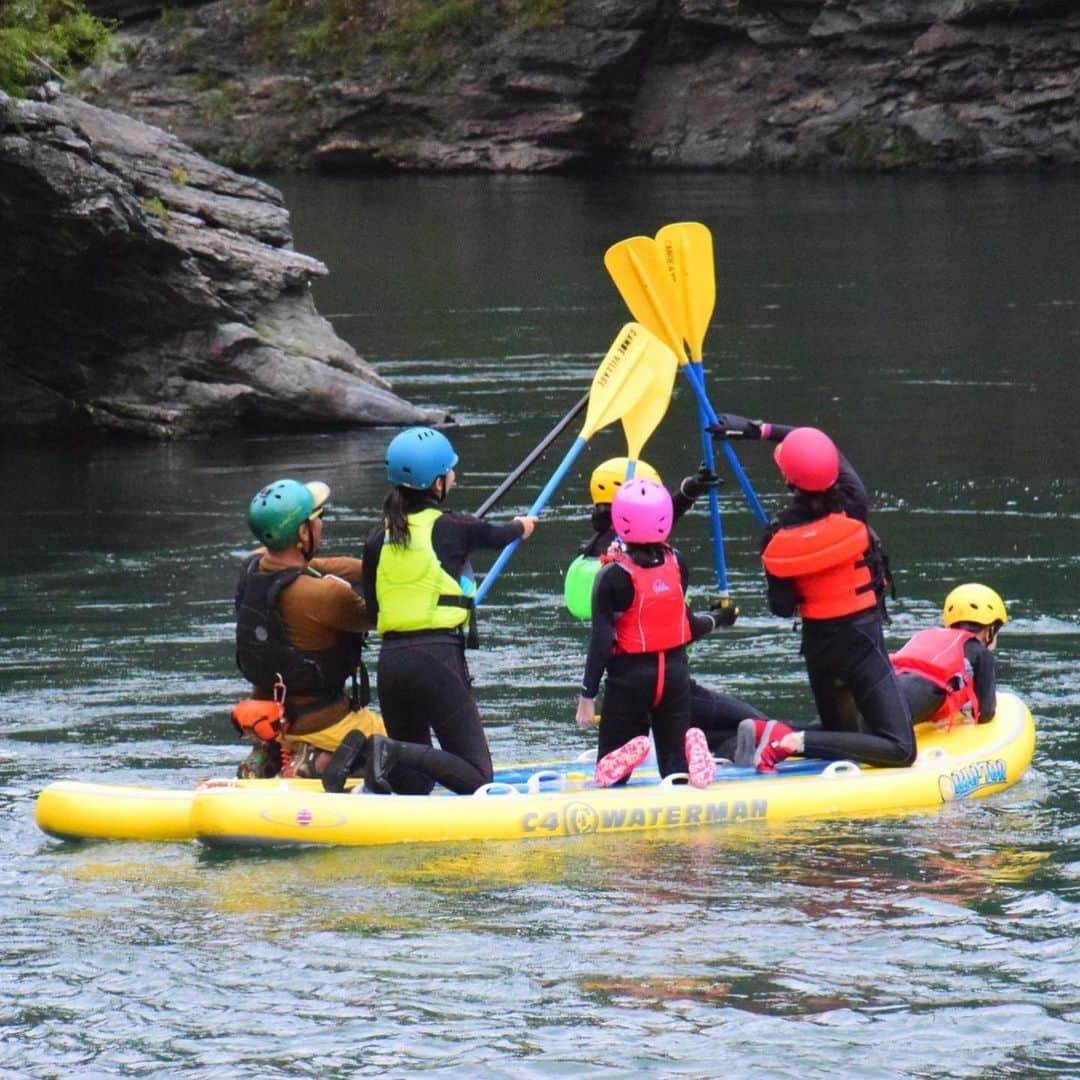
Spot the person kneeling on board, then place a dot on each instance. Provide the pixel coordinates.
(716, 713)
(640, 628)
(823, 560)
(950, 669)
(418, 584)
(299, 629)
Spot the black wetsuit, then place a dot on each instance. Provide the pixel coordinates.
(423, 679)
(864, 716)
(631, 683)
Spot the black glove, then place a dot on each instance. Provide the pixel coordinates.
(700, 482)
(724, 611)
(730, 426)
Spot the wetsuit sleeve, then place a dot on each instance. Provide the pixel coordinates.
(700, 625)
(483, 534)
(782, 596)
(372, 551)
(852, 491)
(984, 675)
(455, 536)
(680, 502)
(612, 594)
(779, 432)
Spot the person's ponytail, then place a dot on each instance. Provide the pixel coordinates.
(396, 516)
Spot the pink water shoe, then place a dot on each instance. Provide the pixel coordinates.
(700, 766)
(619, 764)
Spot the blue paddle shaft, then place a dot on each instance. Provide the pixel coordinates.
(541, 501)
(714, 506)
(693, 373)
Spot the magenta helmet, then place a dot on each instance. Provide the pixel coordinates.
(642, 512)
(808, 459)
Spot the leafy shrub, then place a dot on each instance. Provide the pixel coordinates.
(40, 39)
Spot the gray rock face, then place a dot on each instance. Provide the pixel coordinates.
(673, 84)
(150, 292)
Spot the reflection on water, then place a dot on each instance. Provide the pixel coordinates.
(930, 324)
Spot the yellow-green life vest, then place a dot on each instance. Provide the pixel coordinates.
(414, 592)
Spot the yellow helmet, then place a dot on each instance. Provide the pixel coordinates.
(608, 476)
(975, 604)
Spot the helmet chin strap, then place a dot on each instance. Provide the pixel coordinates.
(308, 548)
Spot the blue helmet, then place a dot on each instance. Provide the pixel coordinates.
(418, 457)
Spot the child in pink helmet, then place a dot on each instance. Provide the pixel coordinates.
(640, 628)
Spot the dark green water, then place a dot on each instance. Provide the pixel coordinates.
(931, 325)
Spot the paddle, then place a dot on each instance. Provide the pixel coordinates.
(532, 455)
(625, 374)
(687, 251)
(642, 278)
(642, 419)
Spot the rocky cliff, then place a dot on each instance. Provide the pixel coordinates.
(531, 85)
(150, 292)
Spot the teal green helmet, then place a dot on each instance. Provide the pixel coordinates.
(279, 509)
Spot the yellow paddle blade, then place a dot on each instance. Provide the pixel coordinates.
(687, 250)
(620, 381)
(642, 419)
(638, 270)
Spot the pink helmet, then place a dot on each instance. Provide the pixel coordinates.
(808, 459)
(642, 512)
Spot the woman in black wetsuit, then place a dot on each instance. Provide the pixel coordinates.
(822, 560)
(418, 586)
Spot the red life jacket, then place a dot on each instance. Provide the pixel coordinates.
(657, 620)
(827, 559)
(937, 654)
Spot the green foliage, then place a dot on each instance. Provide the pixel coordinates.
(155, 207)
(422, 37)
(536, 14)
(872, 148)
(40, 39)
(173, 18)
(421, 33)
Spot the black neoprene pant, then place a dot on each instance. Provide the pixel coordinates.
(628, 710)
(864, 716)
(923, 697)
(719, 716)
(424, 686)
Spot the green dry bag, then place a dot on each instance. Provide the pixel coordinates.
(578, 584)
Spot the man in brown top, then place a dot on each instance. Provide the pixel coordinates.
(299, 627)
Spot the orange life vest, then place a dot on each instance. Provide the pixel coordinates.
(937, 654)
(827, 559)
(657, 620)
